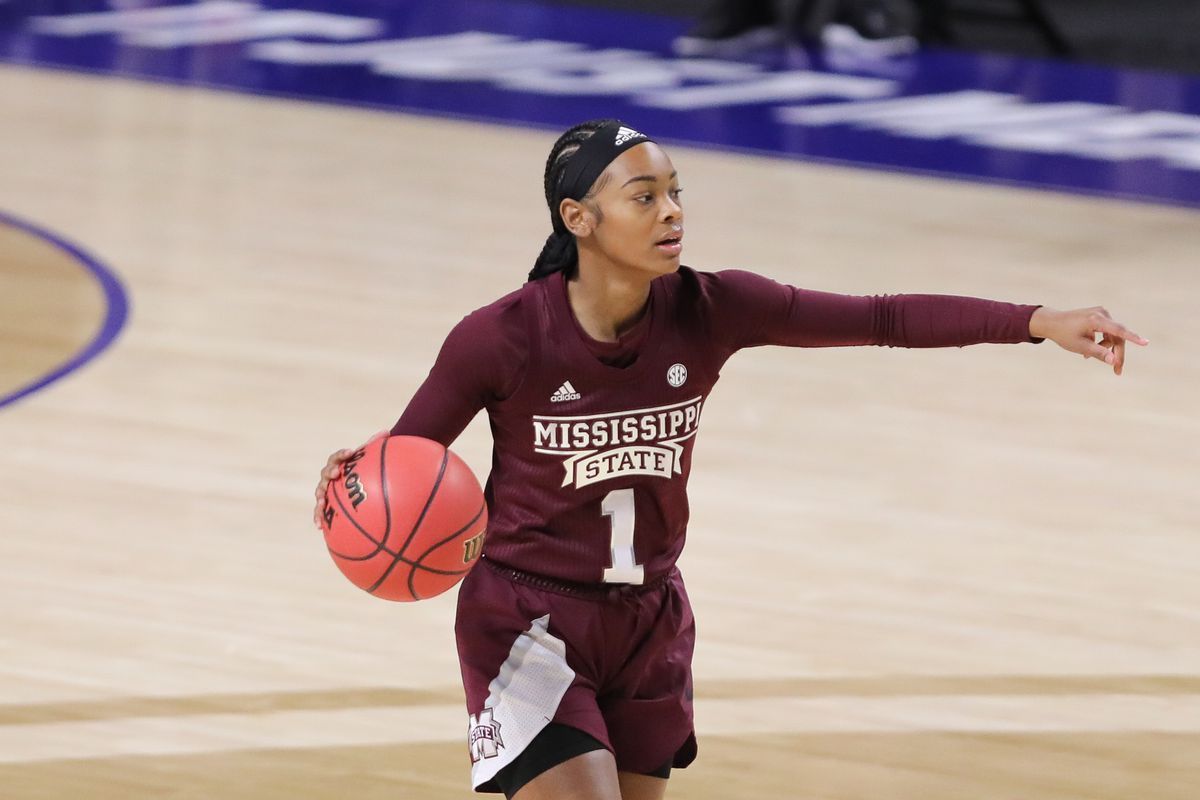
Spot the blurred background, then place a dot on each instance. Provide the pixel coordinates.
(1156, 34)
(233, 235)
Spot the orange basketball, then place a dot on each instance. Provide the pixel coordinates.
(406, 518)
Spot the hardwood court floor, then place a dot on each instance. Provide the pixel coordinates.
(39, 336)
(941, 574)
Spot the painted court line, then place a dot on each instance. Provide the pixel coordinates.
(116, 309)
(968, 714)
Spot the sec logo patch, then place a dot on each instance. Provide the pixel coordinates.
(677, 375)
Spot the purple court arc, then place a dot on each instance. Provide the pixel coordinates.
(116, 311)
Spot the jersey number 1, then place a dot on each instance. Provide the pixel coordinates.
(617, 505)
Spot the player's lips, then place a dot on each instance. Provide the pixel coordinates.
(671, 244)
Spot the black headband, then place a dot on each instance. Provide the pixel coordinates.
(583, 167)
(593, 156)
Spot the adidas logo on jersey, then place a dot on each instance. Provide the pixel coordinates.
(627, 135)
(565, 392)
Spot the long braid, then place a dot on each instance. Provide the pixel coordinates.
(560, 252)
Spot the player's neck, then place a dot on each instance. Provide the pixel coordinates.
(607, 302)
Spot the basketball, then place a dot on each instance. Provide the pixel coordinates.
(405, 520)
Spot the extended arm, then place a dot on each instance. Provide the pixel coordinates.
(820, 319)
(750, 310)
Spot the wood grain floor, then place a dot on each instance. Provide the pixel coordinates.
(49, 309)
(939, 574)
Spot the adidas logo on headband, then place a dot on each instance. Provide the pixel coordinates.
(627, 135)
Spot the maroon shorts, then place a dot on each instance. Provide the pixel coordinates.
(614, 662)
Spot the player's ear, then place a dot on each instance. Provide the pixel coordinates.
(577, 217)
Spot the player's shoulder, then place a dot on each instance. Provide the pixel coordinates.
(693, 286)
(499, 317)
(494, 338)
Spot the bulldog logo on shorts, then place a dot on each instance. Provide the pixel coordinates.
(483, 736)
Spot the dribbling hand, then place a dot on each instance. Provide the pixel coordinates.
(1076, 331)
(331, 470)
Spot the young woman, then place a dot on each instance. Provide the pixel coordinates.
(574, 631)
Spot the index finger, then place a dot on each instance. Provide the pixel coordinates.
(1114, 328)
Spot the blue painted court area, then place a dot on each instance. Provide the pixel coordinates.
(1006, 120)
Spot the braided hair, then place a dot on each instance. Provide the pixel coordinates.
(560, 253)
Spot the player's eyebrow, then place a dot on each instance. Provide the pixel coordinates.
(649, 178)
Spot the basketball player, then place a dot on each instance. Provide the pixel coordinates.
(574, 630)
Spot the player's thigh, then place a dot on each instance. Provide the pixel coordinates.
(641, 787)
(591, 776)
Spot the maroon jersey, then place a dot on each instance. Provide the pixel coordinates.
(593, 442)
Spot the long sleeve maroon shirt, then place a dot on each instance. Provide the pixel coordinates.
(593, 441)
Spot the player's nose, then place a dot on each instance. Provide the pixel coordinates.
(671, 211)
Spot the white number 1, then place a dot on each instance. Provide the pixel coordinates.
(618, 507)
